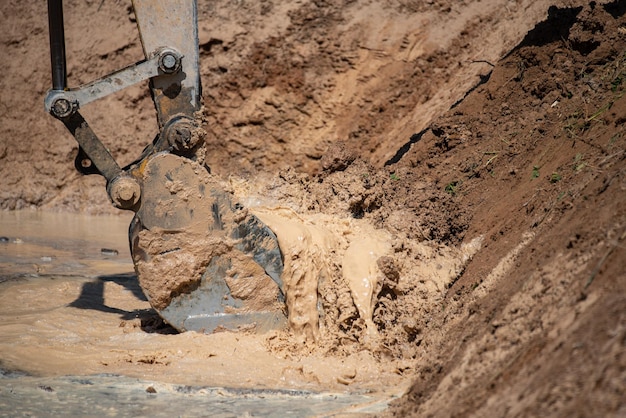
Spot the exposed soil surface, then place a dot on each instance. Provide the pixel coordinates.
(447, 124)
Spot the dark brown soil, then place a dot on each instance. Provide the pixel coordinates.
(538, 148)
(493, 118)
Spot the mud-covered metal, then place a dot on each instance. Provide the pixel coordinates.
(57, 44)
(190, 246)
(125, 192)
(109, 84)
(99, 156)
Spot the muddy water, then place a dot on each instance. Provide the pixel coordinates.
(40, 243)
(74, 330)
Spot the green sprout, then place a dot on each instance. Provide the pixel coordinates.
(555, 177)
(452, 187)
(535, 173)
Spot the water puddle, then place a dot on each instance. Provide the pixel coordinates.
(120, 396)
(34, 243)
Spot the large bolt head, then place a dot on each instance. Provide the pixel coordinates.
(125, 192)
(180, 136)
(184, 135)
(169, 63)
(62, 108)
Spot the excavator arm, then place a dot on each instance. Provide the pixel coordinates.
(202, 260)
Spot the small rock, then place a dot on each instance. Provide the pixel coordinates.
(4, 240)
(347, 378)
(109, 251)
(150, 389)
(337, 158)
(388, 267)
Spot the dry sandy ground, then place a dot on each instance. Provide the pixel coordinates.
(438, 121)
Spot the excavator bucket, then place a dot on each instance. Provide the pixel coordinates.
(203, 261)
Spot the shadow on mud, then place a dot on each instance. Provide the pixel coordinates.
(92, 297)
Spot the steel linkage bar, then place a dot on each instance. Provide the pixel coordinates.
(57, 44)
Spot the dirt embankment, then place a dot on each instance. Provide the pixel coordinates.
(537, 157)
(439, 121)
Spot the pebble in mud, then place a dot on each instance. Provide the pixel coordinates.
(109, 251)
(347, 378)
(4, 240)
(389, 268)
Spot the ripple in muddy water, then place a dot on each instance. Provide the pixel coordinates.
(119, 396)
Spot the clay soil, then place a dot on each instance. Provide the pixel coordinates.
(437, 120)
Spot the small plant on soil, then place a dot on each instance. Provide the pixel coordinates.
(452, 187)
(579, 162)
(535, 172)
